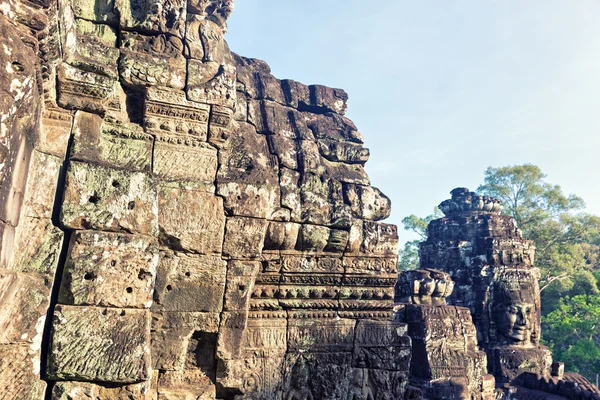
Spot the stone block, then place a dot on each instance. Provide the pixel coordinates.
(188, 282)
(334, 127)
(285, 149)
(84, 90)
(220, 126)
(173, 118)
(103, 198)
(19, 373)
(191, 220)
(240, 284)
(152, 60)
(191, 160)
(281, 235)
(211, 83)
(326, 334)
(313, 238)
(346, 152)
(173, 334)
(309, 158)
(99, 11)
(55, 129)
(311, 264)
(152, 16)
(367, 202)
(86, 391)
(316, 207)
(231, 334)
(370, 265)
(332, 100)
(93, 48)
(24, 299)
(185, 385)
(100, 344)
(244, 237)
(37, 246)
(109, 270)
(42, 180)
(119, 145)
(248, 176)
(289, 181)
(380, 239)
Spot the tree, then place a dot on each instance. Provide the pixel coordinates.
(550, 218)
(572, 333)
(408, 256)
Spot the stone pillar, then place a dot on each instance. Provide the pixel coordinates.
(446, 361)
(493, 268)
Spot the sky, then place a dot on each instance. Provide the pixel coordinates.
(442, 90)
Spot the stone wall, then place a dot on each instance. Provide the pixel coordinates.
(177, 223)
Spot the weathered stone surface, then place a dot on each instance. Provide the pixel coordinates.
(152, 16)
(41, 185)
(24, 299)
(84, 90)
(367, 202)
(110, 270)
(190, 282)
(240, 284)
(98, 197)
(19, 369)
(195, 161)
(248, 176)
(86, 391)
(191, 220)
(113, 144)
(244, 237)
(36, 247)
(173, 334)
(100, 344)
(149, 60)
(185, 385)
(170, 116)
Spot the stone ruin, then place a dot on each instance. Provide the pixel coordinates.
(177, 223)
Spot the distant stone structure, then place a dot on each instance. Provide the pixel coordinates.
(176, 223)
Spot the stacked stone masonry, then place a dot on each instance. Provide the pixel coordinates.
(177, 223)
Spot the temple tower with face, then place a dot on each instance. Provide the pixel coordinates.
(493, 268)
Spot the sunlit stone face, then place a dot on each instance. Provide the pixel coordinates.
(516, 321)
(515, 314)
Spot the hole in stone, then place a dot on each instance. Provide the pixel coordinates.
(143, 275)
(242, 287)
(116, 184)
(131, 205)
(188, 273)
(88, 276)
(122, 313)
(113, 263)
(104, 312)
(129, 290)
(94, 199)
(17, 66)
(169, 288)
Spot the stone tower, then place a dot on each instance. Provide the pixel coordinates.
(178, 223)
(493, 268)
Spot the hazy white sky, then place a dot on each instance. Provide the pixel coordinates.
(442, 90)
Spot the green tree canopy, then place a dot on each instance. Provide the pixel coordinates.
(408, 256)
(551, 219)
(572, 331)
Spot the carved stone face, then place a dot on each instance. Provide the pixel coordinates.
(515, 311)
(516, 322)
